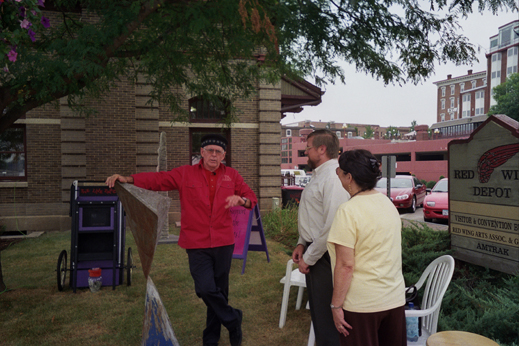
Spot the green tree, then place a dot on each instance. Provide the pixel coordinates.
(413, 124)
(368, 133)
(507, 97)
(392, 133)
(217, 48)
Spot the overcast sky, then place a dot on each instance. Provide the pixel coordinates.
(363, 100)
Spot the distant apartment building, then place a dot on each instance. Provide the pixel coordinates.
(463, 101)
(502, 58)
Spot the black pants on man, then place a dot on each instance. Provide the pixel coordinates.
(319, 283)
(210, 270)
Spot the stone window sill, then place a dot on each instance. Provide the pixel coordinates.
(9, 184)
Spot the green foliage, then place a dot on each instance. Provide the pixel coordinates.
(391, 133)
(419, 248)
(507, 97)
(483, 301)
(222, 48)
(424, 182)
(413, 124)
(430, 184)
(281, 225)
(369, 132)
(478, 300)
(441, 177)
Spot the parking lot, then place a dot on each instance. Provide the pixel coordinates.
(417, 216)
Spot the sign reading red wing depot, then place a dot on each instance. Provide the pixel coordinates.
(484, 195)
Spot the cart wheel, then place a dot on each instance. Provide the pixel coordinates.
(129, 267)
(62, 269)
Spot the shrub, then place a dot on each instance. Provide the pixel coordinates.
(430, 184)
(441, 177)
(281, 225)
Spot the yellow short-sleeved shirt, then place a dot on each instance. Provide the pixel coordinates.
(370, 224)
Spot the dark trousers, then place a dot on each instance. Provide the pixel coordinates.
(384, 328)
(319, 283)
(210, 270)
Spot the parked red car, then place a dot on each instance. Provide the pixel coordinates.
(407, 192)
(436, 205)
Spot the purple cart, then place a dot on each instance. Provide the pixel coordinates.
(97, 237)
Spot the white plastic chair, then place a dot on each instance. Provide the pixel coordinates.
(295, 278)
(438, 275)
(311, 336)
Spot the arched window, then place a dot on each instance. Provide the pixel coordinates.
(207, 111)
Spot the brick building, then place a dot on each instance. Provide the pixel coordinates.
(463, 101)
(425, 158)
(502, 58)
(52, 146)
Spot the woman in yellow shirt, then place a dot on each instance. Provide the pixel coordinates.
(366, 256)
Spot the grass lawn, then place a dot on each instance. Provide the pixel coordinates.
(34, 312)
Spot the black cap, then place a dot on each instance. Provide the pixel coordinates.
(214, 139)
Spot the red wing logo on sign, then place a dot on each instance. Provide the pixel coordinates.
(494, 158)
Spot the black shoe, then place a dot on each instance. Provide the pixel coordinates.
(236, 335)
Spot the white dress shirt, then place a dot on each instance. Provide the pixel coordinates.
(319, 202)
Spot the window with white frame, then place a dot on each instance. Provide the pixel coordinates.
(512, 61)
(480, 102)
(443, 103)
(453, 87)
(443, 92)
(466, 106)
(350, 134)
(462, 87)
(495, 75)
(442, 117)
(338, 134)
(452, 102)
(473, 83)
(289, 133)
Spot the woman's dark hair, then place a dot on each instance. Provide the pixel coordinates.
(363, 167)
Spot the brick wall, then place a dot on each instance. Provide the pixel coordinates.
(123, 137)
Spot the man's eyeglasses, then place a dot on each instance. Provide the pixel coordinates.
(214, 151)
(308, 148)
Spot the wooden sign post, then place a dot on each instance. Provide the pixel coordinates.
(484, 195)
(248, 233)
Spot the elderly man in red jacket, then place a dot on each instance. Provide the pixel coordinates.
(207, 190)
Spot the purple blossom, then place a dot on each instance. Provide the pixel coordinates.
(22, 11)
(6, 69)
(25, 24)
(33, 12)
(12, 55)
(41, 3)
(32, 35)
(45, 22)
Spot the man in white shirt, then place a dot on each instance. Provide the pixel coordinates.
(319, 202)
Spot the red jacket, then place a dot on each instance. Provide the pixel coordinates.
(200, 227)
